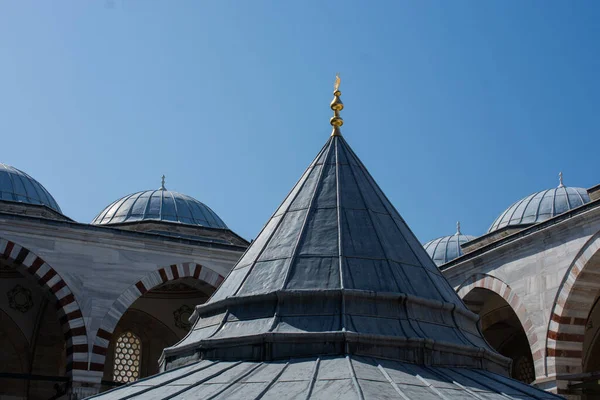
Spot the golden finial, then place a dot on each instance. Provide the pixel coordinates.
(336, 105)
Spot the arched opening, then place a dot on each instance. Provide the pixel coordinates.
(14, 356)
(503, 331)
(588, 387)
(157, 319)
(591, 341)
(573, 345)
(33, 360)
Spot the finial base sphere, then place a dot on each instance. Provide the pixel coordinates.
(337, 105)
(336, 121)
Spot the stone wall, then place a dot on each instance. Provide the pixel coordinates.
(93, 274)
(531, 270)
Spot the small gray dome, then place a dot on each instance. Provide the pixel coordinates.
(16, 185)
(540, 206)
(159, 205)
(446, 248)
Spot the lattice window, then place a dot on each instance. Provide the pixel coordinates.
(524, 370)
(128, 354)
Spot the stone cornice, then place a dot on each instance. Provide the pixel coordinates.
(588, 210)
(105, 236)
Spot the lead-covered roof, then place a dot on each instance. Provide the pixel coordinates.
(159, 205)
(336, 268)
(16, 185)
(540, 206)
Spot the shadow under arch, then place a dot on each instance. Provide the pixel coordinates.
(70, 316)
(500, 288)
(137, 290)
(14, 350)
(147, 328)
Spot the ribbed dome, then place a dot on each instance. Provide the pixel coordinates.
(540, 206)
(16, 185)
(446, 248)
(159, 205)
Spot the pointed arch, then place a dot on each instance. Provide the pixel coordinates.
(137, 290)
(68, 309)
(570, 312)
(502, 289)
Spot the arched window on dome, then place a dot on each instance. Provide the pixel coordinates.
(128, 354)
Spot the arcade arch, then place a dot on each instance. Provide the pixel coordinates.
(504, 322)
(503, 331)
(157, 315)
(574, 308)
(40, 324)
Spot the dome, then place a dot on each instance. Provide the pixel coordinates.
(540, 206)
(16, 185)
(446, 248)
(159, 205)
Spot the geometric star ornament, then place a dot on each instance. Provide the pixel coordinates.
(19, 298)
(182, 316)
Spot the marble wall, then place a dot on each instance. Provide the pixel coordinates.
(530, 269)
(96, 270)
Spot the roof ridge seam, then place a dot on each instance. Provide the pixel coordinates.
(553, 203)
(272, 382)
(294, 252)
(176, 209)
(357, 387)
(380, 193)
(313, 379)
(386, 259)
(281, 218)
(340, 243)
(309, 208)
(390, 380)
(567, 198)
(201, 381)
(371, 183)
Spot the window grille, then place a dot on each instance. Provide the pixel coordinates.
(128, 353)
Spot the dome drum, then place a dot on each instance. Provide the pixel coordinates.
(31, 210)
(322, 333)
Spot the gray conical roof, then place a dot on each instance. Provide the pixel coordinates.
(337, 269)
(336, 230)
(334, 299)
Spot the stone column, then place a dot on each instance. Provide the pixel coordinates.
(81, 390)
(84, 384)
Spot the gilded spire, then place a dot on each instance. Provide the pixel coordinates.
(336, 105)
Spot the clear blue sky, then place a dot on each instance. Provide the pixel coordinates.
(457, 108)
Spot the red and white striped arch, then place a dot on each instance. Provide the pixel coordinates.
(137, 290)
(499, 287)
(69, 312)
(572, 306)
